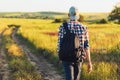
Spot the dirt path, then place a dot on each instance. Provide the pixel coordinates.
(42, 66)
(4, 71)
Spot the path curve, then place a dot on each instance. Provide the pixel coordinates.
(42, 66)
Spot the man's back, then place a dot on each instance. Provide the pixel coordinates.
(76, 28)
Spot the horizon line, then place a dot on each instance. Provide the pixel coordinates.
(53, 11)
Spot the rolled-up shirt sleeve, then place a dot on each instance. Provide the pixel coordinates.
(86, 42)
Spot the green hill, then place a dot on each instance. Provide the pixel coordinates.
(51, 15)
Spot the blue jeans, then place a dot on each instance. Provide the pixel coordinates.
(72, 70)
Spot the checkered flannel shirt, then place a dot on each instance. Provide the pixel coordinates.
(76, 28)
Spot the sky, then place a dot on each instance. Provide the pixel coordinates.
(56, 5)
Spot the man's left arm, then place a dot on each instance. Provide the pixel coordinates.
(87, 51)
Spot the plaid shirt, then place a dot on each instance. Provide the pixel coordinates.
(76, 28)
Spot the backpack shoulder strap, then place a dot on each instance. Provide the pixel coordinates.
(65, 25)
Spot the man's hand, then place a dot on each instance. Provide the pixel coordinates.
(89, 67)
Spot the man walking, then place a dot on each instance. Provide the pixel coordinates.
(71, 67)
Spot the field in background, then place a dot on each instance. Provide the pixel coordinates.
(52, 15)
(41, 35)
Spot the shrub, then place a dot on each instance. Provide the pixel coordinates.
(103, 21)
(81, 18)
(57, 20)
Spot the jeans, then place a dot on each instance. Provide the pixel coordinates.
(72, 70)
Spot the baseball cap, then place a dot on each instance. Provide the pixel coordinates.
(73, 13)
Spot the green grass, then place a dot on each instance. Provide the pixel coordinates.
(21, 68)
(104, 45)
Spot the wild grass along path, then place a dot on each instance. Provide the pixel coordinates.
(46, 69)
(4, 70)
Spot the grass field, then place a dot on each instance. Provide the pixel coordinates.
(41, 35)
(19, 66)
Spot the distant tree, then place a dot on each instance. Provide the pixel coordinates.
(115, 13)
(81, 18)
(103, 21)
(57, 20)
